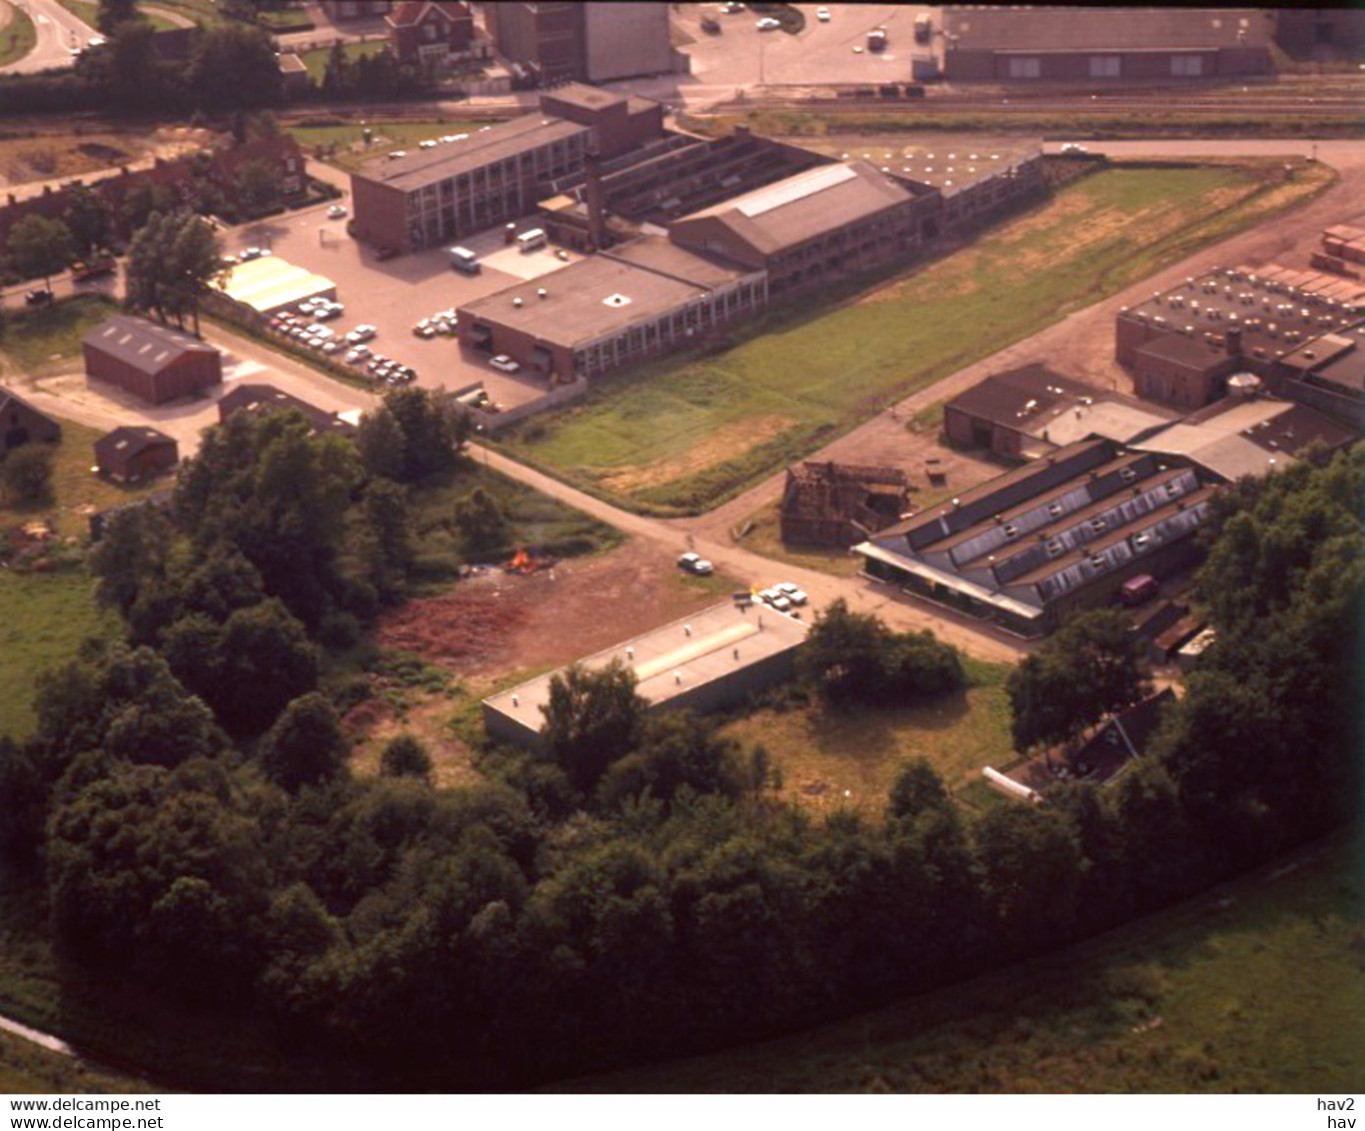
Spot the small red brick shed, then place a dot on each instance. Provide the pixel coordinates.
(131, 454)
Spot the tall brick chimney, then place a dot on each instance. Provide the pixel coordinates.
(595, 199)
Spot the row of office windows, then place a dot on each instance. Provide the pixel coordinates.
(1105, 66)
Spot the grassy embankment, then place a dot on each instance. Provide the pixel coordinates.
(85, 11)
(1170, 120)
(17, 37)
(1255, 986)
(689, 431)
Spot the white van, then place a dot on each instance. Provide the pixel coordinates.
(462, 259)
(529, 241)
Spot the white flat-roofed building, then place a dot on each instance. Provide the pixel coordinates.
(711, 659)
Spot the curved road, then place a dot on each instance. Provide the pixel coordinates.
(60, 36)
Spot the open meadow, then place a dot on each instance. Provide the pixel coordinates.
(686, 432)
(832, 761)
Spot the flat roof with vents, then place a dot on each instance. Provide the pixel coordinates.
(598, 297)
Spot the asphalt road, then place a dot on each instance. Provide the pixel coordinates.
(60, 36)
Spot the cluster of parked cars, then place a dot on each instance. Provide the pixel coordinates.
(784, 596)
(443, 322)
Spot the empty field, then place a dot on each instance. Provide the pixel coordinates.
(850, 761)
(686, 432)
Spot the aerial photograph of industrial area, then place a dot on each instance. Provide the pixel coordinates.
(591, 548)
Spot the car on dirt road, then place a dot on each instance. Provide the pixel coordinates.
(696, 565)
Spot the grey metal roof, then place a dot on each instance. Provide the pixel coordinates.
(148, 345)
(128, 441)
(809, 204)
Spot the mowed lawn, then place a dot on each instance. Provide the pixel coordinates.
(685, 433)
(832, 761)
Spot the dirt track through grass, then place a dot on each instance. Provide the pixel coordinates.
(650, 436)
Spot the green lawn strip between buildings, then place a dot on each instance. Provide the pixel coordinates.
(689, 432)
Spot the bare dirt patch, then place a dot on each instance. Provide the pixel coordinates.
(57, 155)
(725, 443)
(490, 627)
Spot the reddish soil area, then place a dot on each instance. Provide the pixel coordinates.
(489, 626)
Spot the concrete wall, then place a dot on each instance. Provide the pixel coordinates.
(1183, 386)
(625, 40)
(380, 213)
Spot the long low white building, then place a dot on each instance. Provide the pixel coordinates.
(710, 660)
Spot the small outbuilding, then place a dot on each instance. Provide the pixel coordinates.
(21, 423)
(134, 454)
(267, 398)
(153, 362)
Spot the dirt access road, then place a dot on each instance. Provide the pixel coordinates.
(1082, 344)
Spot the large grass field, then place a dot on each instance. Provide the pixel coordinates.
(688, 431)
(1254, 987)
(839, 761)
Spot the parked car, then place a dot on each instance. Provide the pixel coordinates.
(38, 297)
(336, 212)
(362, 333)
(794, 593)
(767, 23)
(505, 364)
(249, 253)
(695, 564)
(822, 14)
(777, 599)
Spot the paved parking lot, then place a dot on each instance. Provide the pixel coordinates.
(394, 294)
(741, 55)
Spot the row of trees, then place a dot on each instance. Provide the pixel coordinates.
(633, 889)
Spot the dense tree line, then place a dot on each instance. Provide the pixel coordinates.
(632, 888)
